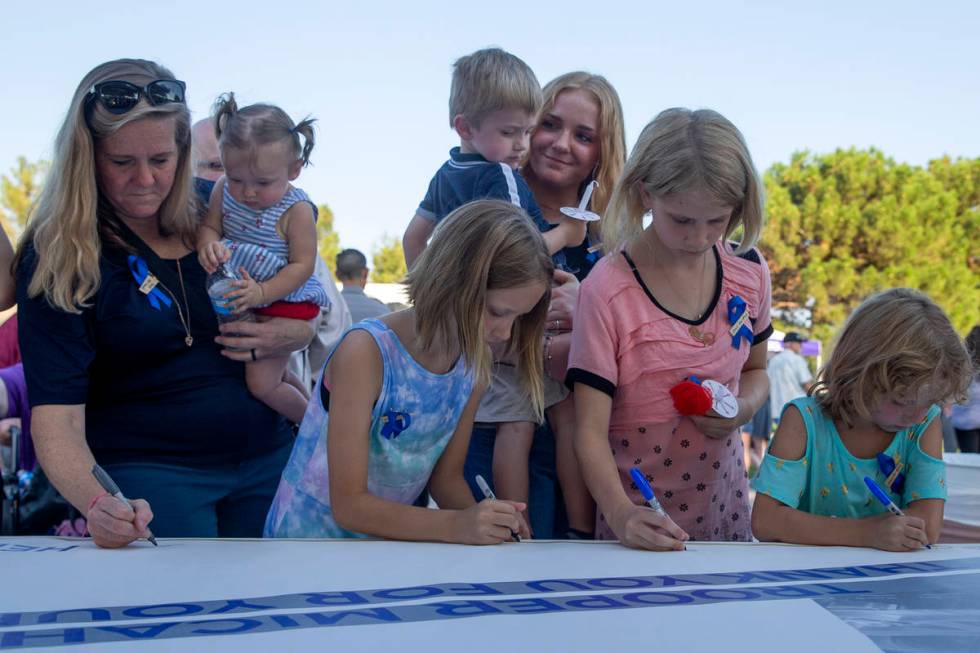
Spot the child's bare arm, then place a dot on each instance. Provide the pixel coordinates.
(511, 450)
(416, 237)
(774, 521)
(448, 487)
(210, 251)
(569, 233)
(930, 510)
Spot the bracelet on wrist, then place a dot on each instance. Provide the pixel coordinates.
(95, 499)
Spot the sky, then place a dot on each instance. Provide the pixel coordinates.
(900, 76)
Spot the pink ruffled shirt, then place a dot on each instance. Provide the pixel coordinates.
(626, 345)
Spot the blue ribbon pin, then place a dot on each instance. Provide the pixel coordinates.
(147, 283)
(738, 316)
(394, 423)
(892, 469)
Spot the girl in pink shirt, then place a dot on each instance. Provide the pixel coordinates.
(666, 304)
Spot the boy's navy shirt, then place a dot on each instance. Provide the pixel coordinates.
(465, 178)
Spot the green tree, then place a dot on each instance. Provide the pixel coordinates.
(846, 224)
(18, 193)
(388, 261)
(327, 240)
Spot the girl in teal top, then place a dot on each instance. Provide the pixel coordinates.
(873, 412)
(393, 409)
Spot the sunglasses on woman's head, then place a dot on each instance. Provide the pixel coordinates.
(118, 96)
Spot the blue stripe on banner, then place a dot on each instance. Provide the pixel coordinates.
(464, 590)
(862, 591)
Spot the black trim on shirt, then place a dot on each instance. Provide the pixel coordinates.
(751, 255)
(714, 300)
(578, 375)
(763, 335)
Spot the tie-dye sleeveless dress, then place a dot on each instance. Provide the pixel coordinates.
(411, 424)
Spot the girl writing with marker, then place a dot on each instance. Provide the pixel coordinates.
(394, 408)
(672, 300)
(872, 413)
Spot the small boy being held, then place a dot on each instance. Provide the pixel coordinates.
(492, 105)
(872, 413)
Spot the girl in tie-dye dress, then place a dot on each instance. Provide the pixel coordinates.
(262, 227)
(393, 409)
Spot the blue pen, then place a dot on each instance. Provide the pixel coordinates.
(885, 499)
(646, 491)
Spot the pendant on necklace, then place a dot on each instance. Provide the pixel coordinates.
(189, 340)
(705, 338)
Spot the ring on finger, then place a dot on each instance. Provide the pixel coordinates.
(253, 355)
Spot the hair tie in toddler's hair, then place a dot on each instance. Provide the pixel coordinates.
(694, 397)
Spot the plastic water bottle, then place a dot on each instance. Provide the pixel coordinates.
(219, 283)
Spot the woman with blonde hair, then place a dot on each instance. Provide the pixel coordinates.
(579, 138)
(672, 300)
(393, 410)
(118, 336)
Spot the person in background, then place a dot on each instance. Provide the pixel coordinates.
(9, 346)
(15, 411)
(789, 376)
(755, 435)
(8, 294)
(352, 271)
(965, 417)
(334, 319)
(205, 154)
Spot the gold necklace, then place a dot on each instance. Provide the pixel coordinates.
(188, 338)
(673, 289)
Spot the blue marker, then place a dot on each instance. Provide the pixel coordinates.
(885, 499)
(646, 491)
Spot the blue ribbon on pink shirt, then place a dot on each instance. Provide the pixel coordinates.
(140, 271)
(736, 309)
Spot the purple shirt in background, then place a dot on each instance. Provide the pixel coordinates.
(17, 406)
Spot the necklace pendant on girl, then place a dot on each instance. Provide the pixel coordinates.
(705, 338)
(189, 340)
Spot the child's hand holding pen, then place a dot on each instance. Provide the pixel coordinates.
(647, 527)
(491, 521)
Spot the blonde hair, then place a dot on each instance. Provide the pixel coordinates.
(683, 150)
(484, 245)
(894, 343)
(612, 131)
(260, 124)
(490, 80)
(67, 228)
